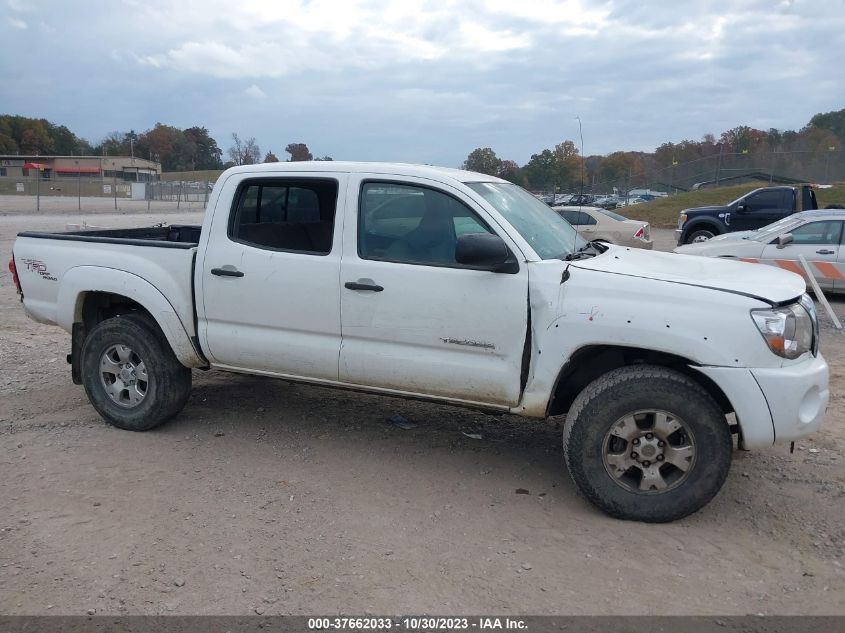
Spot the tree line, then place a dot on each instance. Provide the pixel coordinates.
(674, 165)
(177, 149)
(562, 167)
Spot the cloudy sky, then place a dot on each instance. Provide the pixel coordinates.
(424, 81)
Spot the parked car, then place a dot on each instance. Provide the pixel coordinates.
(752, 211)
(593, 223)
(581, 199)
(458, 287)
(817, 235)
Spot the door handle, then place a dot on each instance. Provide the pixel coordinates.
(226, 272)
(357, 285)
(824, 251)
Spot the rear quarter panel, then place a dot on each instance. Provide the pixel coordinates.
(56, 274)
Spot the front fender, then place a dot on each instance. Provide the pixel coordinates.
(79, 281)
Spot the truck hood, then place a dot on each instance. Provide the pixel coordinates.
(766, 283)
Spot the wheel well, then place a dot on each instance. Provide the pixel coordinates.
(99, 306)
(588, 363)
(704, 226)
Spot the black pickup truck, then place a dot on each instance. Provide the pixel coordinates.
(752, 211)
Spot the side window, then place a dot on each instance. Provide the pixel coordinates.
(412, 224)
(818, 233)
(587, 219)
(285, 215)
(769, 199)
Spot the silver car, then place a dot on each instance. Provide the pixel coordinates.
(817, 235)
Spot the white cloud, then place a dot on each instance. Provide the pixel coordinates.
(17, 23)
(255, 92)
(428, 80)
(19, 6)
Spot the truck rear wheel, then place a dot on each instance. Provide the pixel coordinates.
(130, 374)
(646, 443)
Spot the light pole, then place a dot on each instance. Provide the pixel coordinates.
(581, 134)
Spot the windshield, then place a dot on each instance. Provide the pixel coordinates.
(769, 232)
(549, 235)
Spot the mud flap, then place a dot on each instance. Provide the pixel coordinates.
(77, 338)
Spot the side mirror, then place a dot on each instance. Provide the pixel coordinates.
(741, 208)
(784, 239)
(485, 252)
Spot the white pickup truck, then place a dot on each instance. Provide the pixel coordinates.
(452, 286)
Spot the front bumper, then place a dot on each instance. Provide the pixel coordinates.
(779, 404)
(678, 233)
(797, 396)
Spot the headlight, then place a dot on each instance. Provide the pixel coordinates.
(681, 219)
(788, 331)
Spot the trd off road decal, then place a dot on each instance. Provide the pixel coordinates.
(38, 267)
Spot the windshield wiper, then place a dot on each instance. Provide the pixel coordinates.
(597, 247)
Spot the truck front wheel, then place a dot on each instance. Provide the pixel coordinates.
(130, 374)
(646, 443)
(700, 235)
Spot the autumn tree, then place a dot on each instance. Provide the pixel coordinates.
(509, 170)
(567, 165)
(483, 161)
(7, 144)
(298, 152)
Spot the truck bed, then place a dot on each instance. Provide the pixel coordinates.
(173, 236)
(56, 269)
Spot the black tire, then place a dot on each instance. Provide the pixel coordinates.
(168, 383)
(601, 408)
(700, 235)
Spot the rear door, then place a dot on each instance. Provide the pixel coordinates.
(820, 244)
(414, 320)
(269, 277)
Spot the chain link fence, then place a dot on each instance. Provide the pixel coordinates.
(723, 169)
(97, 195)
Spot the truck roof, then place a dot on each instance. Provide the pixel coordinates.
(393, 169)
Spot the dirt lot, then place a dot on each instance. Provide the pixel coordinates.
(269, 497)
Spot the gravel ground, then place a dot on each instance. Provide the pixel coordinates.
(268, 497)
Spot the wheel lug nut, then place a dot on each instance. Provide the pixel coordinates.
(648, 436)
(634, 456)
(660, 458)
(646, 463)
(637, 442)
(661, 444)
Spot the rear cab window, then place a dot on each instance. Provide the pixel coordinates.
(295, 214)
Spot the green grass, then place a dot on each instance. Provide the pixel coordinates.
(663, 212)
(210, 175)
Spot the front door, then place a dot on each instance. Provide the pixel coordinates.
(761, 208)
(414, 320)
(270, 278)
(819, 243)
